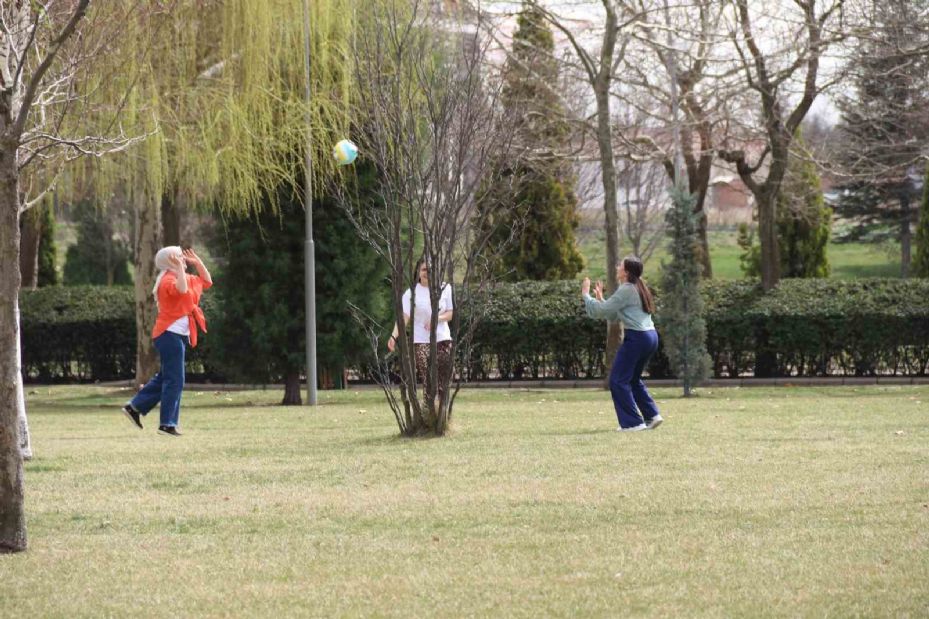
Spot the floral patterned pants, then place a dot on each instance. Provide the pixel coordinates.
(444, 354)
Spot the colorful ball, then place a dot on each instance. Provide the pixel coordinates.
(345, 152)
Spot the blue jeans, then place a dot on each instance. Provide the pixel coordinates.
(629, 393)
(166, 386)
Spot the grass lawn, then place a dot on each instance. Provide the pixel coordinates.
(848, 260)
(746, 502)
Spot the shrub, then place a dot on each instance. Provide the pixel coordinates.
(810, 327)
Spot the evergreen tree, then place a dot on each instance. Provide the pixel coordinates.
(260, 333)
(683, 329)
(48, 249)
(100, 256)
(884, 126)
(534, 199)
(921, 260)
(803, 225)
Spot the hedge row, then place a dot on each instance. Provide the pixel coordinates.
(538, 329)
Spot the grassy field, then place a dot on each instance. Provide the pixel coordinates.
(746, 502)
(848, 260)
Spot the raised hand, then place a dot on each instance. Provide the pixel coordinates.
(192, 258)
(585, 286)
(598, 291)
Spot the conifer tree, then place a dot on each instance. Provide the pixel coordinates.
(533, 198)
(680, 314)
(921, 260)
(803, 224)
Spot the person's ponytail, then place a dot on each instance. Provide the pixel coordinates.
(633, 268)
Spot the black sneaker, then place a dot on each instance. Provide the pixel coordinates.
(169, 430)
(133, 415)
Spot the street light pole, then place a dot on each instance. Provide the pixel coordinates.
(309, 250)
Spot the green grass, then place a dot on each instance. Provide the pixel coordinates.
(848, 260)
(751, 502)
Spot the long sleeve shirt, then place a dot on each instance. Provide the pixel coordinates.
(624, 305)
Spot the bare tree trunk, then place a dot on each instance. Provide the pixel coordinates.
(906, 236)
(767, 233)
(12, 513)
(601, 86)
(171, 219)
(292, 390)
(147, 243)
(29, 249)
(25, 440)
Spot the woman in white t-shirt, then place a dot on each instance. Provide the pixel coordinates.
(422, 323)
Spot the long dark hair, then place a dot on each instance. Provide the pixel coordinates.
(633, 268)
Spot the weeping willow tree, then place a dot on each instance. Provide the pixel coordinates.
(218, 88)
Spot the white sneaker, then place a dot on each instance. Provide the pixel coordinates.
(637, 428)
(654, 422)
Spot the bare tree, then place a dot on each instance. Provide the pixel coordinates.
(885, 124)
(598, 71)
(676, 60)
(779, 49)
(643, 198)
(41, 63)
(432, 124)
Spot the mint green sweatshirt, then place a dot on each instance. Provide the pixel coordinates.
(624, 305)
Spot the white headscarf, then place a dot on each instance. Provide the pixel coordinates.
(163, 264)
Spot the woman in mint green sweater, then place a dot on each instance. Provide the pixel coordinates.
(632, 303)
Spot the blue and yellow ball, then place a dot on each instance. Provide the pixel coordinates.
(345, 152)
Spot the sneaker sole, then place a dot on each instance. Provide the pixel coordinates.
(131, 420)
(656, 424)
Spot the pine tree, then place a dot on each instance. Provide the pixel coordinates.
(99, 257)
(921, 260)
(803, 224)
(48, 249)
(884, 126)
(259, 334)
(534, 198)
(680, 317)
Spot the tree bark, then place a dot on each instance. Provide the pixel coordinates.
(767, 233)
(12, 513)
(29, 250)
(147, 235)
(601, 86)
(25, 440)
(906, 236)
(171, 219)
(292, 390)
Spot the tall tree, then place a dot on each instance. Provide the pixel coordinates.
(685, 41)
(534, 195)
(431, 128)
(771, 73)
(803, 223)
(598, 71)
(41, 63)
(99, 256)
(921, 261)
(884, 124)
(258, 334)
(683, 328)
(221, 93)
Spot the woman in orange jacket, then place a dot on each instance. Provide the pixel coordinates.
(177, 295)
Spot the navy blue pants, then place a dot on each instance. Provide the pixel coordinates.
(168, 384)
(630, 397)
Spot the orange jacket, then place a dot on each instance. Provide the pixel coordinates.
(173, 305)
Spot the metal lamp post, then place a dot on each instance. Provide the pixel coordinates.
(309, 251)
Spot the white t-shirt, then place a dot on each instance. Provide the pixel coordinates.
(423, 313)
(181, 326)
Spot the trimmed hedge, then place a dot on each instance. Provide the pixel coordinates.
(805, 327)
(87, 333)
